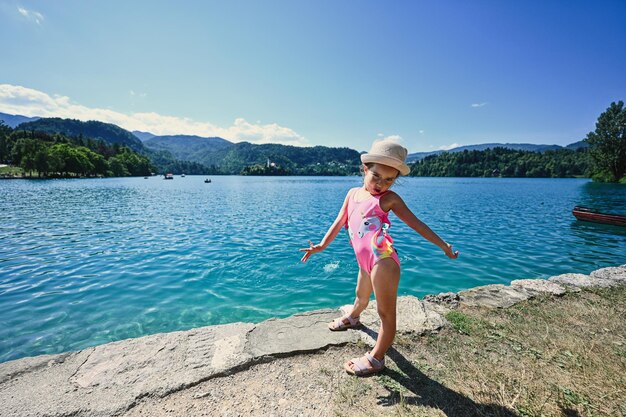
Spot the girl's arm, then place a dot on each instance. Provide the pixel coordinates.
(395, 203)
(331, 234)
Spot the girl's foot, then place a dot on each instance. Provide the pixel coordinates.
(364, 366)
(344, 323)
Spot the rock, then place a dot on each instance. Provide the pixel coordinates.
(539, 286)
(616, 274)
(163, 363)
(415, 318)
(493, 296)
(304, 332)
(441, 303)
(580, 280)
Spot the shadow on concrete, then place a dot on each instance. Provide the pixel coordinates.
(430, 393)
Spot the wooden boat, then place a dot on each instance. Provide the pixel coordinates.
(590, 215)
(207, 181)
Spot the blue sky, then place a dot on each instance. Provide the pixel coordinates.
(431, 74)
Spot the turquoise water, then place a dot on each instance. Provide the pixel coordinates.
(85, 262)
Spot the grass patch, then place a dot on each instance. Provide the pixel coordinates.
(543, 357)
(11, 170)
(461, 322)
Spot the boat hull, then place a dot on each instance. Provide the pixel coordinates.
(588, 215)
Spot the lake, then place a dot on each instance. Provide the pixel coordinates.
(89, 261)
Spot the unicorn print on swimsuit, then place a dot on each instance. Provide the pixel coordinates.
(382, 243)
(368, 224)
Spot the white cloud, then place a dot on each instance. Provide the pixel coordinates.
(448, 147)
(31, 15)
(25, 101)
(421, 132)
(477, 105)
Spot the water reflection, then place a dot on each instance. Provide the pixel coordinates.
(608, 198)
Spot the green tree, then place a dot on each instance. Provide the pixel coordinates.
(5, 146)
(42, 164)
(117, 168)
(607, 144)
(59, 155)
(24, 153)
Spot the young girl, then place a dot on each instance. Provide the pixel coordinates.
(365, 213)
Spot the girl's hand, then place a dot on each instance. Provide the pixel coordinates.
(449, 253)
(310, 251)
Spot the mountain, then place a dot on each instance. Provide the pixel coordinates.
(231, 157)
(107, 132)
(14, 120)
(190, 148)
(142, 136)
(290, 157)
(417, 156)
(577, 145)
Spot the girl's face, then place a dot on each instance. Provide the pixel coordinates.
(379, 178)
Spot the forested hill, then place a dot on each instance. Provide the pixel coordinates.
(198, 155)
(417, 156)
(318, 160)
(13, 120)
(92, 129)
(142, 136)
(189, 147)
(502, 162)
(233, 158)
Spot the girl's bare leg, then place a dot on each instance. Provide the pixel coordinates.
(385, 279)
(363, 293)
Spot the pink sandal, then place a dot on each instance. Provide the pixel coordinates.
(339, 325)
(364, 366)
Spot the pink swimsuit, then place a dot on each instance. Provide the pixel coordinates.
(367, 226)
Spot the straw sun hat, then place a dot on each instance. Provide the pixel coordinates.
(387, 153)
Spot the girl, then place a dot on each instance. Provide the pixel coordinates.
(365, 213)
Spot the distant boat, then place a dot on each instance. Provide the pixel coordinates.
(590, 215)
(183, 175)
(207, 181)
(145, 178)
(169, 176)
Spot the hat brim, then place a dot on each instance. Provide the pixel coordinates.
(386, 160)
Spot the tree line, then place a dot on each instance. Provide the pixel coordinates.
(58, 155)
(318, 169)
(503, 162)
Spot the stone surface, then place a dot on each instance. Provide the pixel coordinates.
(493, 296)
(614, 274)
(109, 379)
(304, 332)
(441, 303)
(580, 280)
(539, 286)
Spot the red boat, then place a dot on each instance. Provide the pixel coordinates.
(589, 215)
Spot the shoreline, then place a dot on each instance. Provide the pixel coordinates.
(111, 379)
